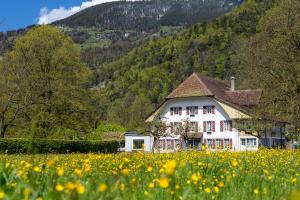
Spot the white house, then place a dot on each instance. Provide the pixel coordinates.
(210, 109)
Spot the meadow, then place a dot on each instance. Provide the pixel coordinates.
(266, 174)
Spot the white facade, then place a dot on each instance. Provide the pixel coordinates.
(219, 115)
(220, 137)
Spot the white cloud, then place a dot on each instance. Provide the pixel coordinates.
(49, 16)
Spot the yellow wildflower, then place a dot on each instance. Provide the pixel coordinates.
(102, 187)
(256, 191)
(59, 188)
(125, 172)
(151, 185)
(170, 166)
(207, 190)
(163, 182)
(234, 163)
(2, 195)
(80, 188)
(59, 171)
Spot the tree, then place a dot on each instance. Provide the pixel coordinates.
(11, 98)
(157, 130)
(54, 80)
(270, 60)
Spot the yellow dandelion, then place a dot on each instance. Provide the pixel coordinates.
(234, 163)
(149, 169)
(255, 191)
(59, 171)
(80, 189)
(70, 186)
(207, 190)
(221, 184)
(151, 185)
(125, 172)
(59, 188)
(170, 166)
(78, 172)
(102, 187)
(163, 182)
(216, 189)
(2, 195)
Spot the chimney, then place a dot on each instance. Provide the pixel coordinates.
(232, 79)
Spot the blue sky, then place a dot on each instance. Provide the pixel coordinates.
(16, 14)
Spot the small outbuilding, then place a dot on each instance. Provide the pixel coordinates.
(138, 142)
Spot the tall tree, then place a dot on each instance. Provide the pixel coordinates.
(271, 60)
(54, 80)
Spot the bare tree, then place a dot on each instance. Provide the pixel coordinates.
(158, 129)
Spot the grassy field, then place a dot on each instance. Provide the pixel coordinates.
(267, 174)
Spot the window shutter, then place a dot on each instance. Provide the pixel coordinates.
(196, 126)
(221, 126)
(196, 110)
(164, 144)
(172, 110)
(204, 109)
(180, 110)
(213, 109)
(172, 144)
(230, 125)
(213, 143)
(222, 143)
(204, 126)
(213, 126)
(205, 142)
(172, 127)
(230, 143)
(187, 110)
(164, 129)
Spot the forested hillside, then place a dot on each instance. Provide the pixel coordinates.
(141, 80)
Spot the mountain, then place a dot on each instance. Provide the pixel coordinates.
(148, 15)
(107, 31)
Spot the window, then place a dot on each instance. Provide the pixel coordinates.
(209, 143)
(248, 142)
(192, 110)
(208, 126)
(226, 143)
(193, 126)
(218, 143)
(176, 110)
(208, 109)
(226, 125)
(138, 144)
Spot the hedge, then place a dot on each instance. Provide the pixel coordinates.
(12, 146)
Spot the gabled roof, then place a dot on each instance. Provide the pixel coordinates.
(198, 85)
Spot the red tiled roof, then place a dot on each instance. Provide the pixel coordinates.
(198, 85)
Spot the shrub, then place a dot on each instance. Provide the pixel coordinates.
(12, 146)
(110, 127)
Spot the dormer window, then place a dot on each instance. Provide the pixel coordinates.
(208, 109)
(192, 110)
(176, 110)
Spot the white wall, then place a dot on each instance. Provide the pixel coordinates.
(148, 141)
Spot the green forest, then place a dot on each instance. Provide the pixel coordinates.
(48, 89)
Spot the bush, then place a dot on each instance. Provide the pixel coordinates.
(12, 146)
(110, 127)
